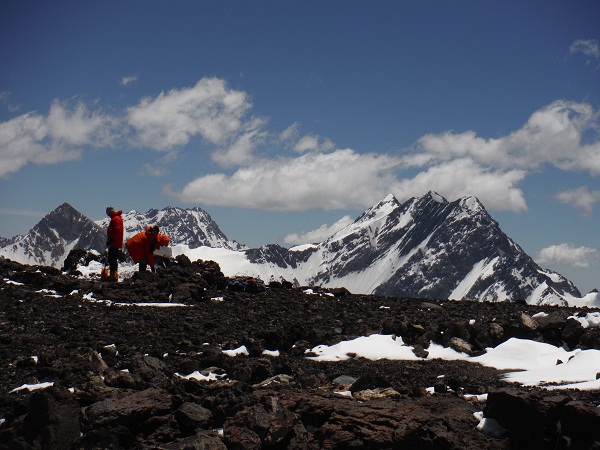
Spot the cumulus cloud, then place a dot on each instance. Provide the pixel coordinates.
(568, 255)
(335, 180)
(51, 139)
(496, 189)
(209, 109)
(318, 235)
(590, 48)
(307, 171)
(240, 150)
(553, 135)
(562, 134)
(580, 198)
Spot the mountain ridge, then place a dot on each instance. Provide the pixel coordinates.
(430, 247)
(426, 247)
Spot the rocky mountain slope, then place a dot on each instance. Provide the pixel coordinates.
(426, 247)
(117, 374)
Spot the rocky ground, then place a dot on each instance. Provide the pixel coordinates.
(120, 373)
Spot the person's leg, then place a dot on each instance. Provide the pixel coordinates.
(113, 261)
(143, 264)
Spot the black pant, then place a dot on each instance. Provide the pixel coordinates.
(113, 258)
(144, 265)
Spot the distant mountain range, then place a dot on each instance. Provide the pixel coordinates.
(426, 247)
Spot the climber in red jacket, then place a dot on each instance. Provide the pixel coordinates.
(114, 240)
(142, 246)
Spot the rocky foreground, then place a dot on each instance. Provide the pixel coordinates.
(148, 377)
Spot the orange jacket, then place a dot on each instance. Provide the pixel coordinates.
(115, 230)
(143, 244)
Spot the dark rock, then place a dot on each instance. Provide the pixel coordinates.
(572, 332)
(127, 409)
(53, 419)
(270, 422)
(524, 413)
(193, 416)
(149, 369)
(203, 440)
(581, 423)
(183, 261)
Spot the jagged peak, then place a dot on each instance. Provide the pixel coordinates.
(387, 201)
(471, 203)
(382, 208)
(64, 207)
(388, 198)
(435, 197)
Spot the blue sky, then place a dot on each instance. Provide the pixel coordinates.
(285, 120)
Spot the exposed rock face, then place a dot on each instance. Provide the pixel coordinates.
(147, 378)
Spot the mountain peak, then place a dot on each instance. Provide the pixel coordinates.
(49, 241)
(436, 197)
(471, 204)
(383, 208)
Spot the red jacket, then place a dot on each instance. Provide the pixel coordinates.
(143, 244)
(115, 230)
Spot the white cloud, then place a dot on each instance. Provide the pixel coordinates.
(590, 48)
(454, 164)
(318, 235)
(580, 198)
(336, 180)
(553, 135)
(126, 81)
(153, 170)
(496, 189)
(290, 133)
(51, 139)
(312, 143)
(563, 135)
(240, 151)
(568, 255)
(5, 100)
(209, 109)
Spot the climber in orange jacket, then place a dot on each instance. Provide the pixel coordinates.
(142, 246)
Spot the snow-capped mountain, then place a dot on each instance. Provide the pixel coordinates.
(50, 241)
(427, 247)
(193, 227)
